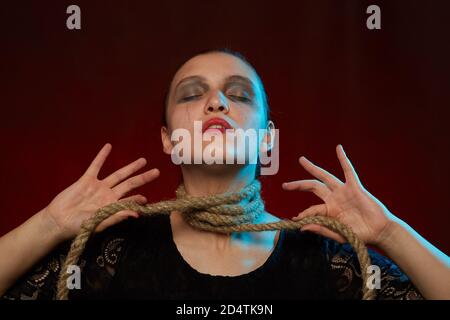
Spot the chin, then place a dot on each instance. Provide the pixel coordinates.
(227, 154)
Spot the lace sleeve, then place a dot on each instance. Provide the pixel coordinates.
(97, 265)
(347, 280)
(40, 281)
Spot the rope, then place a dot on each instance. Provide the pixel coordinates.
(224, 213)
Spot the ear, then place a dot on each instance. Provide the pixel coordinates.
(269, 137)
(165, 139)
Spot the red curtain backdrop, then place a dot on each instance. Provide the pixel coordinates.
(383, 94)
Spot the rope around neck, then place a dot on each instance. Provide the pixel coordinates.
(224, 213)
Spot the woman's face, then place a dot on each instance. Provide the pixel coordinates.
(214, 85)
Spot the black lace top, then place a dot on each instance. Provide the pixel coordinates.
(139, 259)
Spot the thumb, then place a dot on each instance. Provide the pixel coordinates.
(115, 219)
(122, 215)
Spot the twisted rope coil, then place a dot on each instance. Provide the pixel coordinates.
(224, 213)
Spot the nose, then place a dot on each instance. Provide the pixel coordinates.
(217, 102)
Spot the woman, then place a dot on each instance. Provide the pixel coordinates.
(164, 257)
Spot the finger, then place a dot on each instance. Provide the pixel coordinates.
(330, 180)
(122, 215)
(324, 231)
(315, 186)
(349, 170)
(124, 172)
(137, 198)
(115, 219)
(99, 160)
(135, 182)
(314, 210)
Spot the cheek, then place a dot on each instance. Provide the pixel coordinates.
(251, 119)
(183, 116)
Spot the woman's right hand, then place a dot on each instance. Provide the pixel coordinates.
(83, 198)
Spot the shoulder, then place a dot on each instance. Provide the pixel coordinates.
(98, 262)
(132, 229)
(111, 241)
(307, 241)
(107, 252)
(302, 250)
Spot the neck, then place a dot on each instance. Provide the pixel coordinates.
(200, 182)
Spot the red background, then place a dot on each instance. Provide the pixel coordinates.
(383, 94)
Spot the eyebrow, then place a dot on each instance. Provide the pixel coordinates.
(233, 78)
(190, 79)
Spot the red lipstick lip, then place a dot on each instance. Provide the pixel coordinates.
(216, 121)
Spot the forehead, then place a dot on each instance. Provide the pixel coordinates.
(215, 67)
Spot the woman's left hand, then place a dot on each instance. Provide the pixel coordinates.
(350, 203)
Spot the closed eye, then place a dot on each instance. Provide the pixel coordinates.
(240, 98)
(189, 98)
